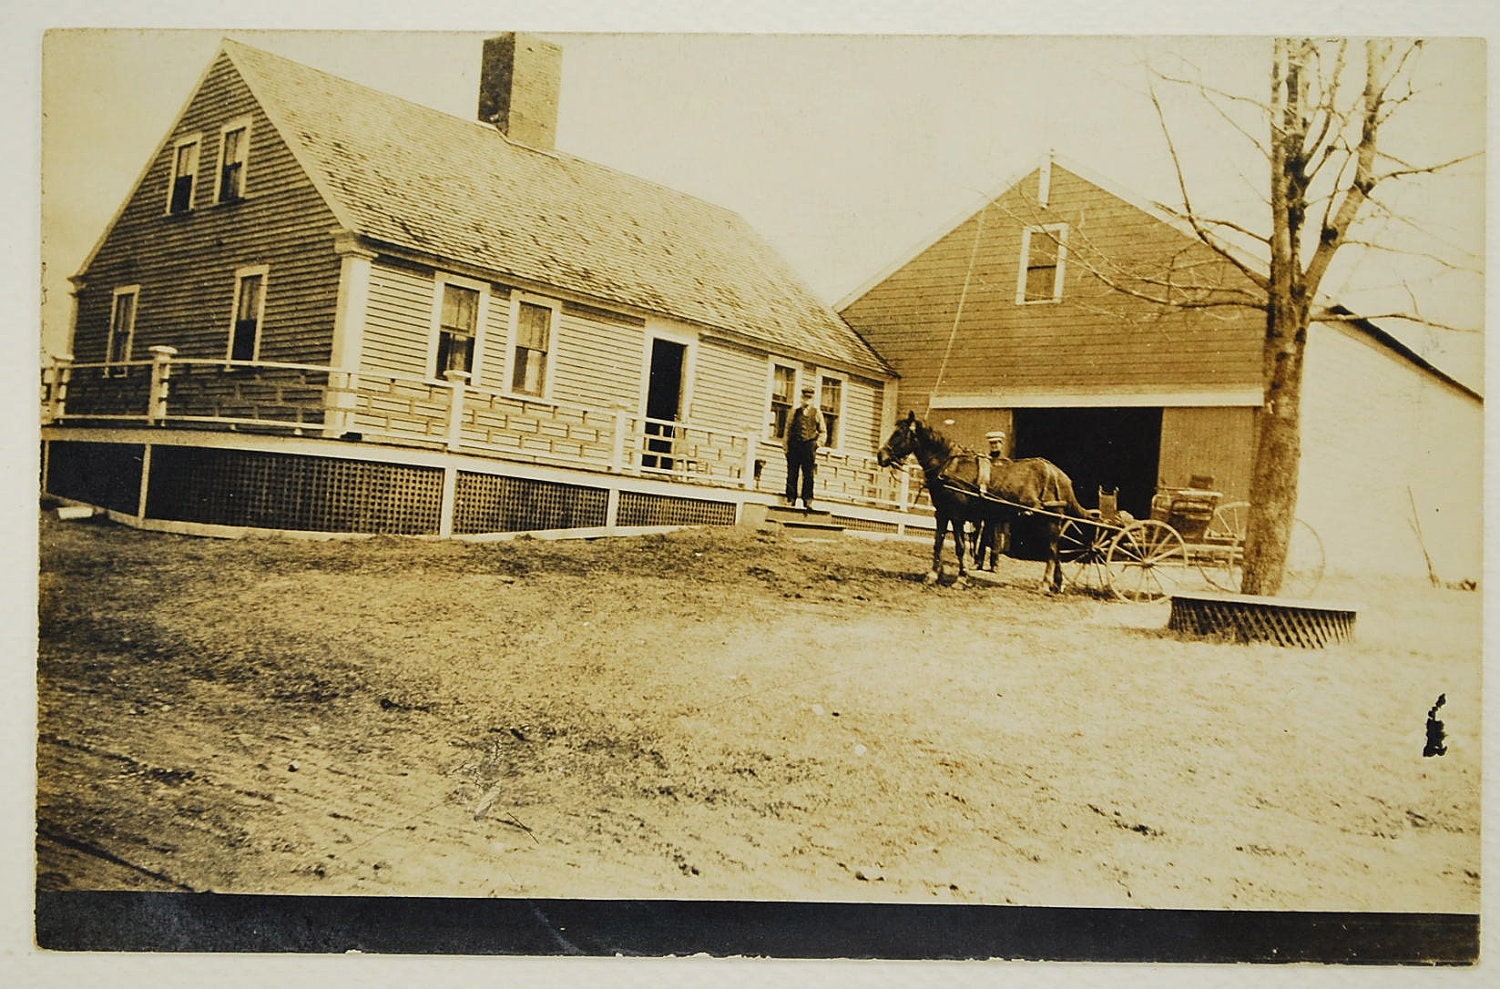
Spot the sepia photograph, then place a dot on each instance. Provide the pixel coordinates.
(792, 495)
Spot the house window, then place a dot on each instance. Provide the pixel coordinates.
(533, 344)
(121, 328)
(458, 326)
(783, 392)
(249, 313)
(831, 403)
(234, 150)
(184, 175)
(1043, 251)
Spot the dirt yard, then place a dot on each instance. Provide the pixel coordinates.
(728, 714)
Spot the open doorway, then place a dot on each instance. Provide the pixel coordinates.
(663, 402)
(1109, 448)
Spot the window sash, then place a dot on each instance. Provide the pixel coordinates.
(528, 374)
(455, 353)
(249, 300)
(121, 327)
(184, 174)
(232, 165)
(1042, 252)
(1041, 282)
(831, 403)
(460, 309)
(783, 387)
(529, 371)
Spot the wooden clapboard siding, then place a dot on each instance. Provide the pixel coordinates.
(1094, 337)
(398, 319)
(185, 264)
(489, 362)
(599, 360)
(862, 425)
(731, 387)
(1219, 442)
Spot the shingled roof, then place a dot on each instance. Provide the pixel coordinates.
(417, 178)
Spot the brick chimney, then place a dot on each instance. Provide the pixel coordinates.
(519, 82)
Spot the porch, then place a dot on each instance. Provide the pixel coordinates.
(332, 414)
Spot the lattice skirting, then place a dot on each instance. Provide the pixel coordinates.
(489, 503)
(302, 492)
(104, 474)
(650, 509)
(280, 491)
(1242, 618)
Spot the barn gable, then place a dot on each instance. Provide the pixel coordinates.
(963, 295)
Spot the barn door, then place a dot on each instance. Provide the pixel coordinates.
(663, 402)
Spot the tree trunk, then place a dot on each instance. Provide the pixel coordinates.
(1278, 453)
(1278, 456)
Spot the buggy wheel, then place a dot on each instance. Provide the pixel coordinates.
(1223, 546)
(1224, 566)
(1083, 550)
(1304, 562)
(1147, 561)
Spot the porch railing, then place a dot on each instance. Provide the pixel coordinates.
(448, 414)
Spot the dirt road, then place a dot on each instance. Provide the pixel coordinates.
(728, 714)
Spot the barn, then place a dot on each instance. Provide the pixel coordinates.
(1023, 317)
(326, 309)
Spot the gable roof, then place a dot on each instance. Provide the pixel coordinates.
(1163, 215)
(416, 178)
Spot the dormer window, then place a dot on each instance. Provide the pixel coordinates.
(184, 174)
(1043, 251)
(234, 150)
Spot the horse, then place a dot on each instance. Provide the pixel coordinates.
(959, 479)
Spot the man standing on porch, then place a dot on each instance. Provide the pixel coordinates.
(803, 434)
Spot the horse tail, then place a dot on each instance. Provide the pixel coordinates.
(1063, 493)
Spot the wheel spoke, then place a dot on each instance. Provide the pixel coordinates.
(1146, 561)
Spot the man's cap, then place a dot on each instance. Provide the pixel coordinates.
(807, 391)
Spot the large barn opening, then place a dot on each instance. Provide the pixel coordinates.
(1110, 448)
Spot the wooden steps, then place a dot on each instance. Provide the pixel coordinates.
(796, 520)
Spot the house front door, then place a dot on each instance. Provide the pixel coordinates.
(663, 402)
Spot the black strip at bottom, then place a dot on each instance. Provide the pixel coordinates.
(133, 921)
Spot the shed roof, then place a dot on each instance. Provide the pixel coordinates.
(420, 179)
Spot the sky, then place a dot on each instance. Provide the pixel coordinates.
(845, 151)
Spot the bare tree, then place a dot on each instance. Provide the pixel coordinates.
(1325, 122)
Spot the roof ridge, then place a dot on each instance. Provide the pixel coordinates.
(558, 154)
(382, 161)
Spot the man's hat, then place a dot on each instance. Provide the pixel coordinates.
(807, 391)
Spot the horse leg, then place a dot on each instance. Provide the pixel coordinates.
(937, 552)
(1054, 556)
(958, 548)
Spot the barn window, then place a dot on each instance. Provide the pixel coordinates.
(783, 392)
(121, 328)
(234, 151)
(458, 328)
(532, 332)
(249, 313)
(184, 174)
(1043, 252)
(831, 404)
